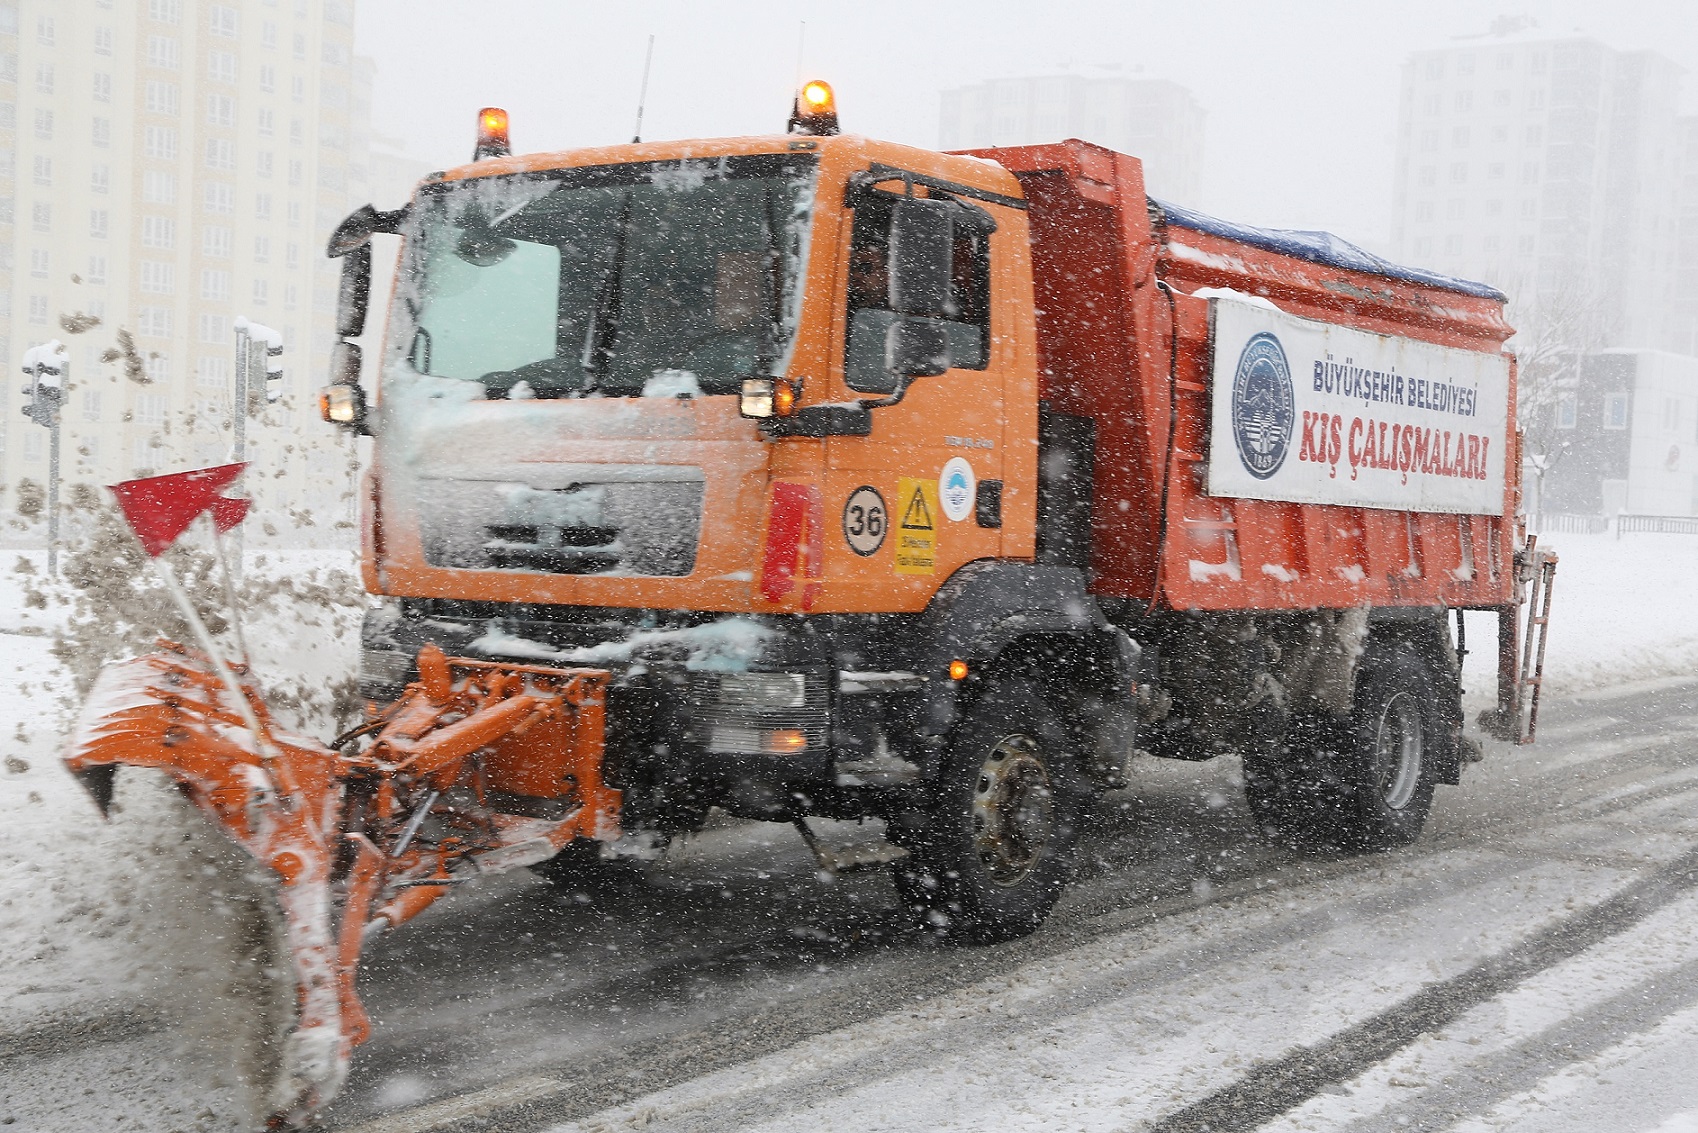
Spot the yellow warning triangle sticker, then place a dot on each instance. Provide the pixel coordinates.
(916, 516)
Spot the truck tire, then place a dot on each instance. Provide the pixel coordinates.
(579, 873)
(1392, 753)
(996, 849)
(1363, 783)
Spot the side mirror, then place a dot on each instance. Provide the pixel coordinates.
(922, 251)
(353, 296)
(343, 401)
(357, 227)
(916, 348)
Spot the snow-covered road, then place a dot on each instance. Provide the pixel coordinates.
(1531, 964)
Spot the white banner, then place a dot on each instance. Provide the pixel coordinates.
(1314, 413)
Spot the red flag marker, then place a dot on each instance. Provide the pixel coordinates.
(161, 508)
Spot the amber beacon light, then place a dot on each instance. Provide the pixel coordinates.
(492, 134)
(815, 111)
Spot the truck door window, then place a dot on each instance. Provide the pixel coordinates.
(869, 313)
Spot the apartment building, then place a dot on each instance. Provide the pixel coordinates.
(1155, 120)
(167, 166)
(1552, 167)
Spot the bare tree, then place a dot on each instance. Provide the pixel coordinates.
(1557, 324)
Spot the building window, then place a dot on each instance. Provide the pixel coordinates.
(1432, 105)
(1524, 244)
(97, 269)
(268, 35)
(223, 21)
(294, 214)
(218, 198)
(1456, 208)
(221, 67)
(298, 89)
(267, 79)
(215, 242)
(1465, 100)
(297, 172)
(1567, 411)
(44, 125)
(158, 232)
(220, 110)
(1429, 141)
(214, 285)
(1453, 245)
(1459, 137)
(151, 407)
(165, 11)
(267, 123)
(1465, 64)
(97, 223)
(1671, 414)
(1494, 208)
(38, 263)
(214, 329)
(162, 52)
(44, 78)
(41, 217)
(262, 163)
(158, 277)
(155, 322)
(43, 170)
(160, 97)
(262, 206)
(44, 30)
(1535, 135)
(1530, 173)
(220, 153)
(297, 131)
(1615, 411)
(1427, 175)
(213, 372)
(1458, 172)
(159, 188)
(300, 46)
(1536, 100)
(292, 256)
(262, 292)
(1495, 171)
(91, 404)
(102, 87)
(103, 41)
(1502, 98)
(101, 133)
(1423, 210)
(262, 249)
(160, 142)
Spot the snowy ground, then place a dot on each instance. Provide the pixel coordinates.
(111, 927)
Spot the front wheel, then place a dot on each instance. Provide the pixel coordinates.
(997, 846)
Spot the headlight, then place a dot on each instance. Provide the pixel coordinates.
(762, 692)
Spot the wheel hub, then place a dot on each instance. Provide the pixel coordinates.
(1398, 750)
(1013, 811)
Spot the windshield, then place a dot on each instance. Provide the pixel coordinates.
(664, 279)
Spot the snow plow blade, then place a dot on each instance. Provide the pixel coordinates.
(446, 784)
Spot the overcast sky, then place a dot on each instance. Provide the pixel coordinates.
(1301, 98)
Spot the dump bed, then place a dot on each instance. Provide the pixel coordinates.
(1280, 420)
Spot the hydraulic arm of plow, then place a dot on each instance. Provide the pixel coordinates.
(478, 768)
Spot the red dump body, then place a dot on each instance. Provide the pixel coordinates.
(1099, 250)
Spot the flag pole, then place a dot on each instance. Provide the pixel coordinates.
(203, 636)
(229, 590)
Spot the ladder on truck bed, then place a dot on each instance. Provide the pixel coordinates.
(1521, 650)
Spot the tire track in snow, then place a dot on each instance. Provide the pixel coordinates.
(1275, 1087)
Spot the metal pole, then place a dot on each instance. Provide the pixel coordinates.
(239, 405)
(53, 474)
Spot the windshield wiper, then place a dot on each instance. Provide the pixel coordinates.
(604, 319)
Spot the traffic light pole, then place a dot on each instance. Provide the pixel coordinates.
(42, 362)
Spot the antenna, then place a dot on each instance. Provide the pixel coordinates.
(643, 93)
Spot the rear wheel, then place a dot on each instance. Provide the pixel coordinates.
(997, 847)
(1363, 783)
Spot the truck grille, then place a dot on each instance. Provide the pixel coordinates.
(739, 713)
(621, 527)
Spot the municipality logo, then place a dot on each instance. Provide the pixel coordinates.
(1264, 406)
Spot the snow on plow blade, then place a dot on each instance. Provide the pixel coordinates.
(477, 768)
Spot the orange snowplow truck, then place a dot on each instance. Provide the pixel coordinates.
(930, 487)
(811, 475)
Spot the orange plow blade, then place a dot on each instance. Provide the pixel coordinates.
(478, 768)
